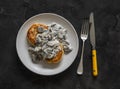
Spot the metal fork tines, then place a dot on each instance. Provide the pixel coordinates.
(84, 36)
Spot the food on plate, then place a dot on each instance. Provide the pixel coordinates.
(33, 31)
(48, 42)
(57, 57)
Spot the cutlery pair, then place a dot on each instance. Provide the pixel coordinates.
(84, 35)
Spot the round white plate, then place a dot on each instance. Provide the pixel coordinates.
(43, 68)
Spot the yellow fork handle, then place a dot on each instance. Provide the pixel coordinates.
(94, 63)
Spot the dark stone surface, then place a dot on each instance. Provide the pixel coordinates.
(13, 75)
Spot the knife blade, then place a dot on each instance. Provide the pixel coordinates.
(92, 40)
(92, 30)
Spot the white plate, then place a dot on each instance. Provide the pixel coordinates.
(44, 68)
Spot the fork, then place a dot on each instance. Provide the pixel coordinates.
(84, 36)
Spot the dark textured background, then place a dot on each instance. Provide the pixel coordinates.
(13, 13)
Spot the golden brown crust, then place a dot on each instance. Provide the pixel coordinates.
(58, 57)
(32, 32)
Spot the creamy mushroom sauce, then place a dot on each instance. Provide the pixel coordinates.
(48, 42)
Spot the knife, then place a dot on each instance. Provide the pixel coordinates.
(92, 40)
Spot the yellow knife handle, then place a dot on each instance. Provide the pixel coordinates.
(94, 63)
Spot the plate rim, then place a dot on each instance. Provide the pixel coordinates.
(53, 14)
